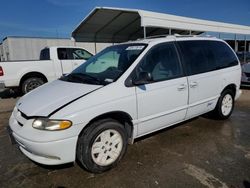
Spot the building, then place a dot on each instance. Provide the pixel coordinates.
(28, 48)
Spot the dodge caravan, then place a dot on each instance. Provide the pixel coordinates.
(122, 93)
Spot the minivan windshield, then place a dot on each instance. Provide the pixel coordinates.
(107, 66)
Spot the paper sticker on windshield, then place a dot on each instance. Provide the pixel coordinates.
(135, 48)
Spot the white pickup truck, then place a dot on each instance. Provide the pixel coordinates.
(54, 62)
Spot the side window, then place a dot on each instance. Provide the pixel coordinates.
(162, 62)
(72, 53)
(80, 54)
(62, 53)
(198, 56)
(223, 54)
(44, 55)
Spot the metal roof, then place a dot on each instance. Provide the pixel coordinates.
(105, 24)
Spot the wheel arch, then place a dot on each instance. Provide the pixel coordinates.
(122, 117)
(32, 74)
(231, 87)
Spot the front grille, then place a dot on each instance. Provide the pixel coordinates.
(247, 74)
(19, 123)
(20, 117)
(24, 115)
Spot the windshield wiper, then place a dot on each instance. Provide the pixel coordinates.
(84, 78)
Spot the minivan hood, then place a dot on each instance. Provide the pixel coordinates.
(49, 97)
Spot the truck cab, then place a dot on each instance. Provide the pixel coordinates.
(54, 62)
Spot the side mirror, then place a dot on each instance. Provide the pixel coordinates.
(143, 78)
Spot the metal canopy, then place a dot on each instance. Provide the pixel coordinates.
(114, 25)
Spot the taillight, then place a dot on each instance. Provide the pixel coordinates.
(1, 71)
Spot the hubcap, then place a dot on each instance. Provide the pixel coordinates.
(32, 85)
(107, 147)
(227, 104)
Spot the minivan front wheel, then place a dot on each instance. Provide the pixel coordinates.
(102, 145)
(225, 105)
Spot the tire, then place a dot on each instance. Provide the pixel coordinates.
(225, 105)
(31, 83)
(102, 145)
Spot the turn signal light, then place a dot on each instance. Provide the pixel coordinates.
(1, 71)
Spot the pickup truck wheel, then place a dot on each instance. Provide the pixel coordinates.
(102, 145)
(225, 105)
(31, 83)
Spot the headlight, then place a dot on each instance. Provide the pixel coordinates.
(51, 125)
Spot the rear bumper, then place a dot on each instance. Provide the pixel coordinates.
(238, 94)
(2, 85)
(247, 84)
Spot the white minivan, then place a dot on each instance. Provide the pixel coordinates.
(122, 93)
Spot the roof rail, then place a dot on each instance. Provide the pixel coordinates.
(157, 36)
(175, 36)
(178, 35)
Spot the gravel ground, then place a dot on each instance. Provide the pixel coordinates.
(197, 153)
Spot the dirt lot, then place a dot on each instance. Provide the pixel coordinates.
(198, 153)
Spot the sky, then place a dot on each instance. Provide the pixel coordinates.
(58, 18)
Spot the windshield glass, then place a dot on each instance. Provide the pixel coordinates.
(107, 66)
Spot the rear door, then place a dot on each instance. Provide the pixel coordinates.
(164, 101)
(204, 78)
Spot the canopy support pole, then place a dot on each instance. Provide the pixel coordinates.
(144, 32)
(235, 43)
(245, 49)
(95, 48)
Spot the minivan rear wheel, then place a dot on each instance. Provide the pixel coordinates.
(102, 145)
(225, 105)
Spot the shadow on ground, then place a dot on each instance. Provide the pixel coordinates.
(8, 93)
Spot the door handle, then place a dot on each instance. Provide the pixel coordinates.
(182, 87)
(193, 84)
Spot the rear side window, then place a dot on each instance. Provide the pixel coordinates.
(197, 56)
(73, 53)
(162, 62)
(44, 55)
(205, 56)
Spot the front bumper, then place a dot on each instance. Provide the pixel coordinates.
(45, 147)
(48, 153)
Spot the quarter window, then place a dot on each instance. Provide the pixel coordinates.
(223, 54)
(162, 62)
